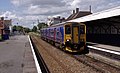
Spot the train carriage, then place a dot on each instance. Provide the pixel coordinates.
(70, 36)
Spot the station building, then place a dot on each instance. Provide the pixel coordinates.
(5, 26)
(77, 14)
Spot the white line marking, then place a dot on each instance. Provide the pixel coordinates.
(35, 58)
(109, 51)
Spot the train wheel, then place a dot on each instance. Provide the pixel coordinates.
(53, 43)
(62, 46)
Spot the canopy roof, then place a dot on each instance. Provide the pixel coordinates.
(110, 13)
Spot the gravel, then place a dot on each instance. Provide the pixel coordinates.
(60, 62)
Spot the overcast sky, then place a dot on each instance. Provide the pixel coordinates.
(25, 12)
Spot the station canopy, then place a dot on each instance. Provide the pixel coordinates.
(110, 15)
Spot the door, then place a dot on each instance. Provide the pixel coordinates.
(75, 34)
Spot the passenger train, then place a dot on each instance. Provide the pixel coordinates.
(70, 36)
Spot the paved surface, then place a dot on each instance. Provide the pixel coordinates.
(16, 56)
(109, 47)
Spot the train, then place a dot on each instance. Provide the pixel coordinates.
(69, 36)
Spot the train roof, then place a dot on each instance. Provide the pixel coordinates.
(99, 15)
(63, 23)
(58, 24)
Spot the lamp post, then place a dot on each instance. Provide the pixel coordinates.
(17, 24)
(33, 24)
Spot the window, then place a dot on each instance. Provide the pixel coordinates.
(67, 29)
(57, 33)
(82, 29)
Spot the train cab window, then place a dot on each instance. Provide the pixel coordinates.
(67, 29)
(82, 29)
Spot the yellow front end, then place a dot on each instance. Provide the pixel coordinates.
(74, 37)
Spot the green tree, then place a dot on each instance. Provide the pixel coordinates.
(14, 28)
(42, 25)
(26, 30)
(19, 28)
(34, 29)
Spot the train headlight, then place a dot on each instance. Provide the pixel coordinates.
(68, 40)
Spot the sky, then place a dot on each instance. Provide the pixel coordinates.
(27, 12)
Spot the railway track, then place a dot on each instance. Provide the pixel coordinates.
(42, 64)
(58, 61)
(95, 64)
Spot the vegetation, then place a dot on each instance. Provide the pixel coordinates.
(21, 29)
(34, 29)
(42, 25)
(27, 30)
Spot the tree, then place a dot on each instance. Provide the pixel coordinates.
(42, 25)
(34, 29)
(26, 30)
(14, 28)
(19, 28)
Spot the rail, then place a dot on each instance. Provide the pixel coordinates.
(41, 63)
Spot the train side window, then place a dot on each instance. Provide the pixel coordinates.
(67, 29)
(57, 33)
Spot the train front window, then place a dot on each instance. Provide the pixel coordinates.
(67, 29)
(82, 29)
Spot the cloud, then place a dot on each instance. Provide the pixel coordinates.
(75, 3)
(20, 2)
(8, 14)
(42, 3)
(15, 2)
(37, 10)
(96, 5)
(28, 11)
(41, 7)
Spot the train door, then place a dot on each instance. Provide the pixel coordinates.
(82, 33)
(75, 34)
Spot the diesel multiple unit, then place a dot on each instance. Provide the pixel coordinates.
(69, 36)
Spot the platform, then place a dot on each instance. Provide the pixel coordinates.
(112, 52)
(108, 47)
(16, 56)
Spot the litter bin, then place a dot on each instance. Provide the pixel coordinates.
(5, 36)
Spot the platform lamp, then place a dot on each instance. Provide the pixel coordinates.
(17, 24)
